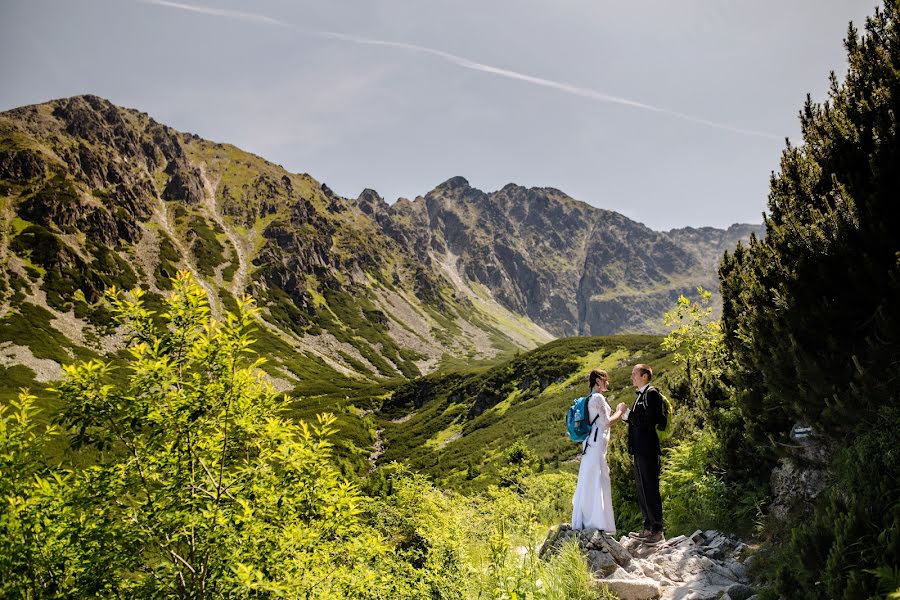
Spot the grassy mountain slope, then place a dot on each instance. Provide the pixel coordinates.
(95, 196)
(456, 426)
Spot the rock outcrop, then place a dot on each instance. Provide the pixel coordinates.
(703, 566)
(802, 474)
(570, 267)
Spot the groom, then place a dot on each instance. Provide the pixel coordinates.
(643, 445)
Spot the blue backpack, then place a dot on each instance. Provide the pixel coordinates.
(577, 421)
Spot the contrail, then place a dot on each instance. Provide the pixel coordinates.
(219, 12)
(464, 63)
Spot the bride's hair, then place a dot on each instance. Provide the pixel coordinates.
(595, 375)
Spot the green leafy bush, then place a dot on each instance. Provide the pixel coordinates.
(31, 493)
(201, 488)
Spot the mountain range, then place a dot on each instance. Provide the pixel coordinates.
(351, 289)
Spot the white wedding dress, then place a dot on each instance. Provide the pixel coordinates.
(592, 502)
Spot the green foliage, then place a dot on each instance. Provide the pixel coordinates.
(713, 476)
(426, 528)
(853, 534)
(696, 337)
(30, 493)
(166, 267)
(31, 327)
(356, 321)
(61, 265)
(108, 269)
(888, 581)
(448, 545)
(201, 488)
(811, 326)
(198, 486)
(14, 378)
(65, 272)
(18, 285)
(520, 462)
(208, 251)
(696, 493)
(566, 577)
(283, 310)
(809, 311)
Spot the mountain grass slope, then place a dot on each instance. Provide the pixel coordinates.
(356, 296)
(457, 426)
(94, 196)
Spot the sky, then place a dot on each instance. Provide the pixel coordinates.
(671, 112)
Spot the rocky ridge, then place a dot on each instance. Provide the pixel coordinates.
(703, 566)
(95, 195)
(570, 267)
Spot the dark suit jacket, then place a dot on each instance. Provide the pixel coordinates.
(645, 414)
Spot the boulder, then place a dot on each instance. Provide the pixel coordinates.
(633, 589)
(185, 183)
(622, 556)
(601, 563)
(800, 476)
(21, 164)
(740, 591)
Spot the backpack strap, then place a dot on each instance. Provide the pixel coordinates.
(587, 409)
(662, 408)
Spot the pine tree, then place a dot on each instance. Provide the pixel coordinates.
(810, 311)
(811, 321)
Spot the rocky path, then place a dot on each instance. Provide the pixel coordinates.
(706, 565)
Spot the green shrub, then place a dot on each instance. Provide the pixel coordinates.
(31, 552)
(802, 348)
(695, 493)
(854, 531)
(200, 488)
(566, 577)
(206, 248)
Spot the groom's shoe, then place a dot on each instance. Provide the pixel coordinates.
(654, 538)
(639, 535)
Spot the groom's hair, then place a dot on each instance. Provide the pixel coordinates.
(645, 370)
(595, 375)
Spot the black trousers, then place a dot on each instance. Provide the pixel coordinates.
(646, 478)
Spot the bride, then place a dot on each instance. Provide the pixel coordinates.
(592, 502)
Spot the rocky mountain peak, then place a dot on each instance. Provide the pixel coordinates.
(570, 267)
(453, 184)
(371, 202)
